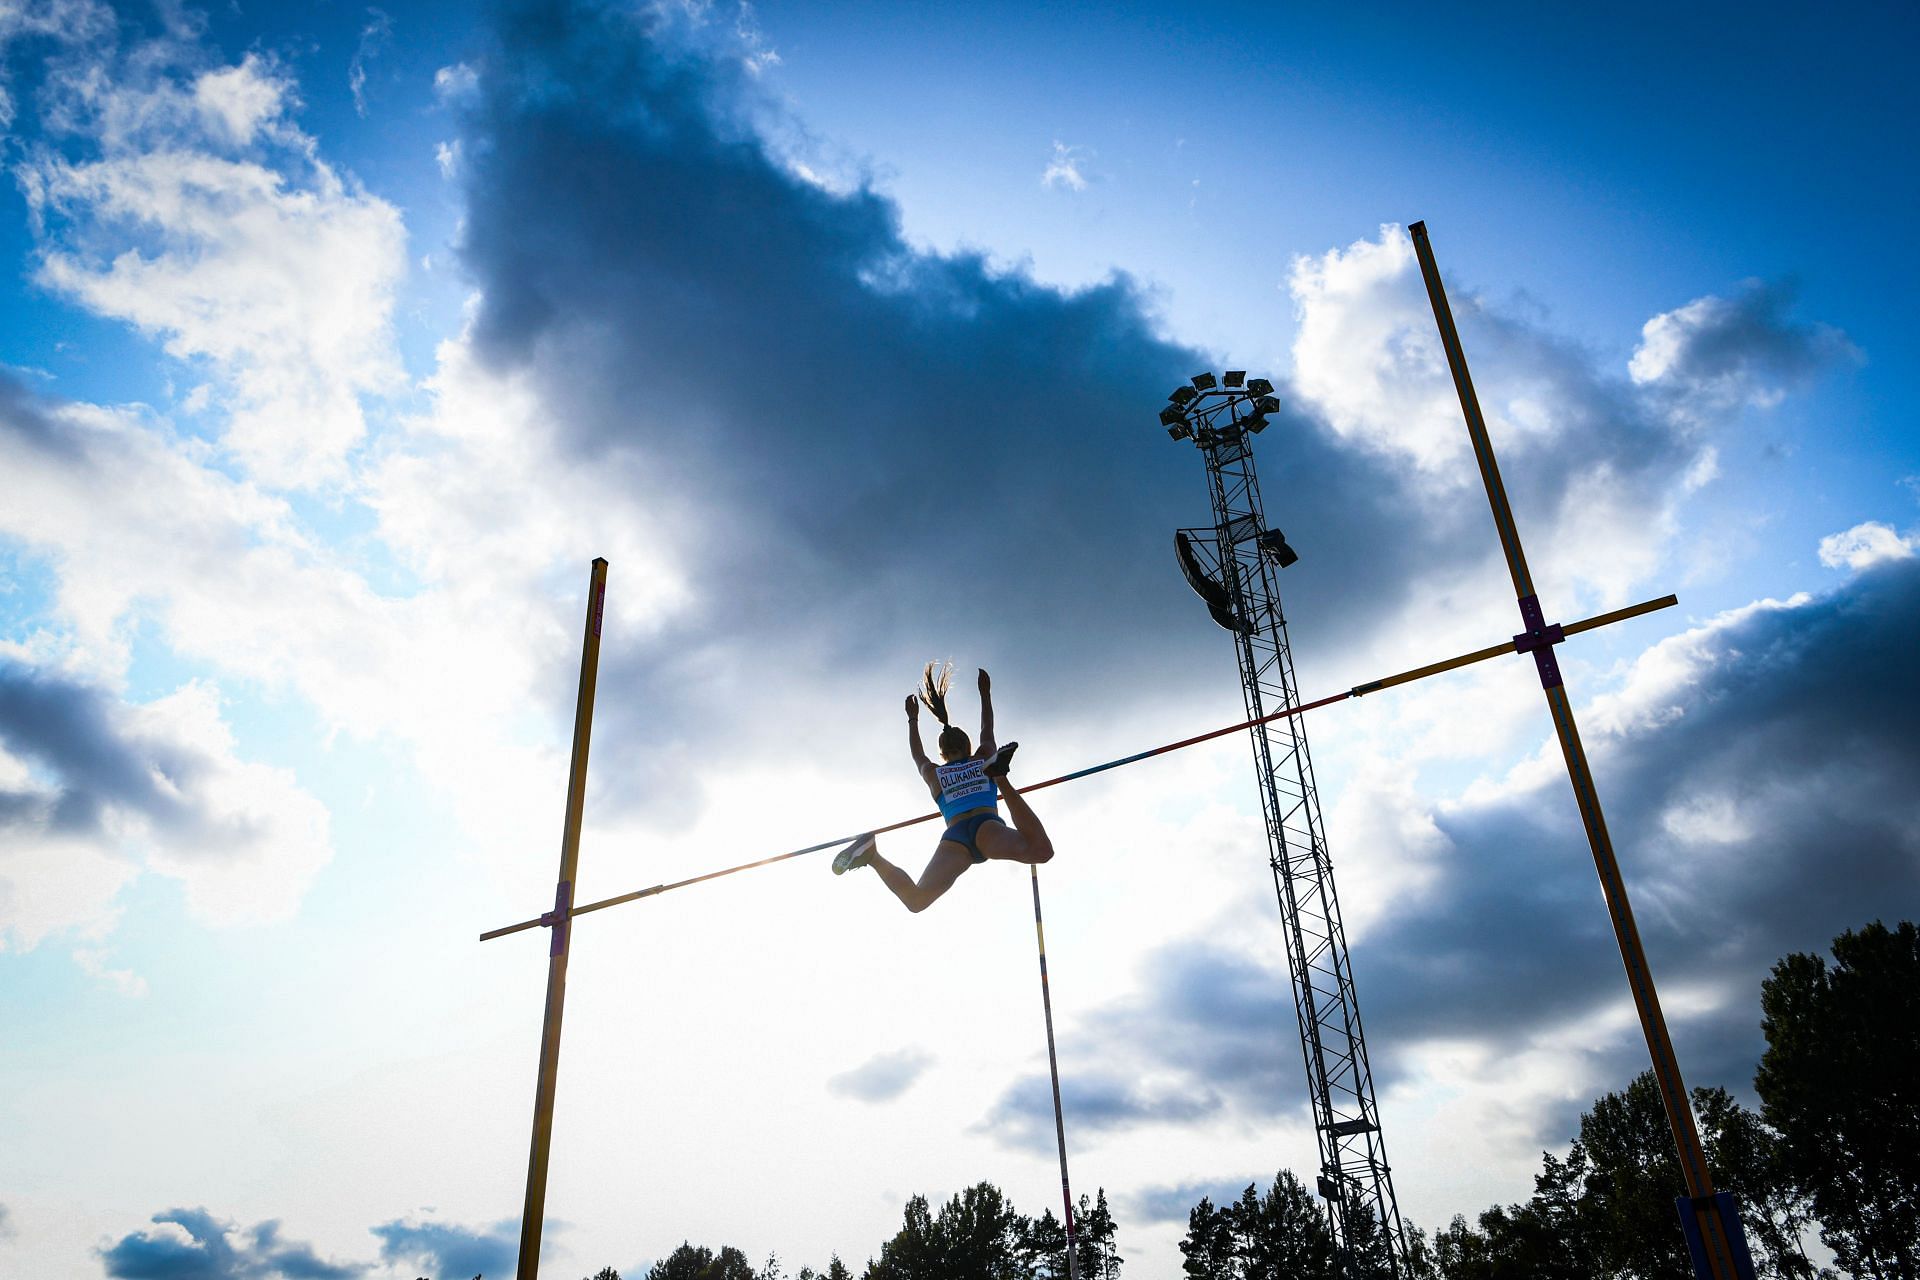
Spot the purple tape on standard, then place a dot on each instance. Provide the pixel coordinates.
(562, 905)
(1539, 639)
(1530, 615)
(1528, 641)
(1549, 669)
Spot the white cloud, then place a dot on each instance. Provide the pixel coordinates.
(93, 961)
(470, 500)
(1588, 462)
(52, 883)
(240, 101)
(1865, 544)
(1708, 819)
(374, 37)
(456, 83)
(1366, 354)
(266, 265)
(1660, 682)
(1063, 170)
(74, 19)
(1704, 470)
(258, 838)
(276, 273)
(757, 55)
(67, 21)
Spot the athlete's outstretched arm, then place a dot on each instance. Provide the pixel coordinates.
(920, 760)
(986, 717)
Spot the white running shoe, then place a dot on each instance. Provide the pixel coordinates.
(857, 854)
(996, 764)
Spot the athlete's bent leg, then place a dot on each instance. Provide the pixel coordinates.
(1025, 841)
(949, 860)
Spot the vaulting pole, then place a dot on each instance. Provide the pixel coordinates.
(1720, 1240)
(533, 1212)
(1053, 1066)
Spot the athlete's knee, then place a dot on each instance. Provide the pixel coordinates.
(918, 904)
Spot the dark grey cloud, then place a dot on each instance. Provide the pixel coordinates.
(1172, 1202)
(879, 453)
(1215, 1027)
(450, 1250)
(216, 1250)
(881, 1078)
(1762, 804)
(1094, 1100)
(220, 1250)
(77, 733)
(1717, 353)
(1795, 740)
(98, 758)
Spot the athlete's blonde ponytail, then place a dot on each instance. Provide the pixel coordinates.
(934, 683)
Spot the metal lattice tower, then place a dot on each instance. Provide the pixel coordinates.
(1235, 567)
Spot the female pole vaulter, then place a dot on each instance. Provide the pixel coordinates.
(966, 786)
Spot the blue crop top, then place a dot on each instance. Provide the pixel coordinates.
(965, 786)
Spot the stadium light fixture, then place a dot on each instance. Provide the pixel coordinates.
(1273, 545)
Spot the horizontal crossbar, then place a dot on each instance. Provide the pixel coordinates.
(1371, 686)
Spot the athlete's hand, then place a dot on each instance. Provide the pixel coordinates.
(986, 681)
(913, 706)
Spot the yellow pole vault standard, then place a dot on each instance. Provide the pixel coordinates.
(559, 919)
(1710, 1221)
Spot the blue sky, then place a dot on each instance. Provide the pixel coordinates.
(339, 339)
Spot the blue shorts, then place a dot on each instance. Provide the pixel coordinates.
(963, 832)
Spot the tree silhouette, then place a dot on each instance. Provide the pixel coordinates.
(1840, 1083)
(976, 1236)
(696, 1262)
(1282, 1235)
(1208, 1245)
(1748, 1159)
(1099, 1255)
(1608, 1208)
(1042, 1249)
(1630, 1175)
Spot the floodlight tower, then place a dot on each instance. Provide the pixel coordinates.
(1234, 566)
